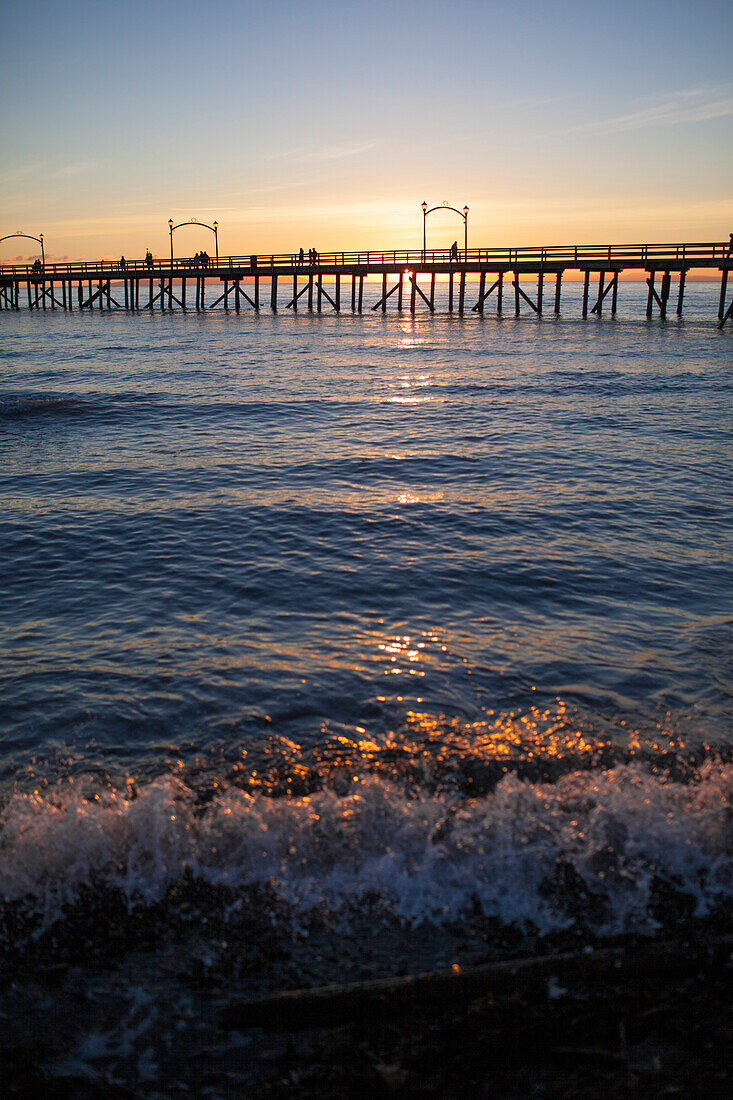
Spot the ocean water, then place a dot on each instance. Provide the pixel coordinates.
(316, 625)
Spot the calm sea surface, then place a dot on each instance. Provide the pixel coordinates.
(413, 609)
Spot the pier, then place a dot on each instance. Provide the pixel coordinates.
(501, 280)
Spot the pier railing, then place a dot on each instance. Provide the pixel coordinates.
(707, 254)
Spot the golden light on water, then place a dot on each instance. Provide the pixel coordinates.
(540, 734)
(403, 650)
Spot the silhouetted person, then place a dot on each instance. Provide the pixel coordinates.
(36, 266)
(454, 251)
(196, 261)
(149, 260)
(301, 257)
(204, 259)
(123, 263)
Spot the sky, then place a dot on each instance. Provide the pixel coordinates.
(327, 124)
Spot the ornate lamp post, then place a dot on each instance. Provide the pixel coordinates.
(170, 227)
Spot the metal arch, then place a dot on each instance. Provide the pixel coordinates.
(443, 207)
(28, 237)
(194, 221)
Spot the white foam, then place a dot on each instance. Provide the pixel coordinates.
(427, 857)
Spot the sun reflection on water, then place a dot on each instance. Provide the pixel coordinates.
(410, 382)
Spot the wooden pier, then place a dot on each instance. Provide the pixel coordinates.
(478, 279)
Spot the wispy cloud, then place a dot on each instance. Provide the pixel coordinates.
(334, 152)
(689, 105)
(68, 171)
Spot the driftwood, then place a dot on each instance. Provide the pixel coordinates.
(333, 1005)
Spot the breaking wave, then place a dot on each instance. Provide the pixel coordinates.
(596, 843)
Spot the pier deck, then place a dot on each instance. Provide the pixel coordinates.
(481, 274)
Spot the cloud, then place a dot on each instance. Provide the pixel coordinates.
(334, 152)
(70, 170)
(689, 105)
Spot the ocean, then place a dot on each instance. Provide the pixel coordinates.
(347, 646)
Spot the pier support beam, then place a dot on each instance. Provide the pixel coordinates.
(586, 283)
(661, 298)
(479, 307)
(519, 292)
(723, 290)
(484, 294)
(651, 295)
(604, 291)
(666, 283)
(681, 292)
(382, 303)
(416, 290)
(723, 313)
(558, 291)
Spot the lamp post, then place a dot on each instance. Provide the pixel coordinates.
(465, 234)
(170, 227)
(216, 241)
(43, 254)
(424, 221)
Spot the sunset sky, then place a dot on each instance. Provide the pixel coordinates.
(327, 124)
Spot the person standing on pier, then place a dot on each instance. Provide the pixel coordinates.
(123, 263)
(149, 260)
(454, 251)
(301, 257)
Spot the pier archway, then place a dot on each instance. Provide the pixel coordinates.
(445, 205)
(203, 225)
(28, 237)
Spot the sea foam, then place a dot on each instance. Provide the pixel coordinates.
(526, 853)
